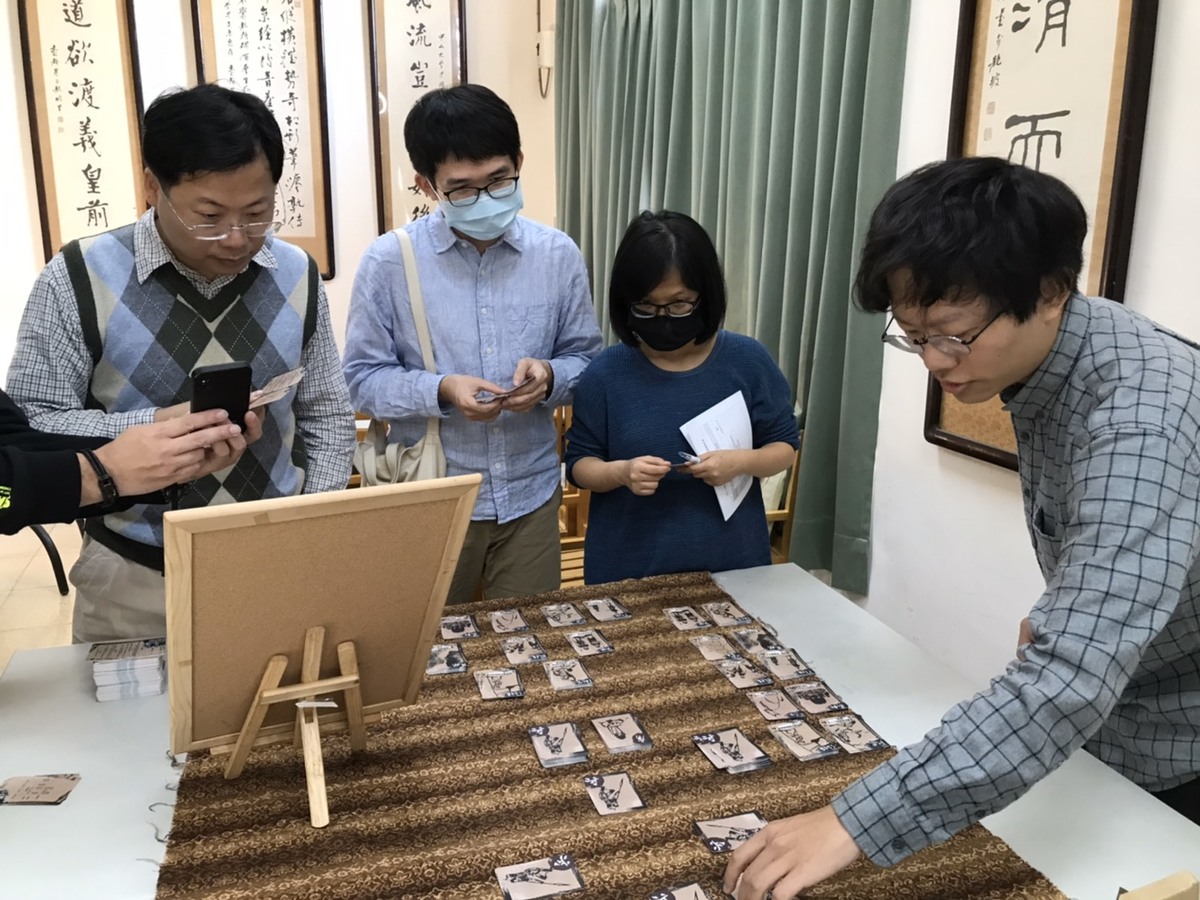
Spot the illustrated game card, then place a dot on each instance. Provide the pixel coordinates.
(691, 891)
(507, 621)
(731, 751)
(730, 832)
(567, 674)
(550, 877)
(853, 734)
(742, 672)
(725, 614)
(607, 609)
(500, 684)
(456, 627)
(524, 649)
(589, 643)
(277, 388)
(446, 659)
(713, 646)
(757, 640)
(786, 665)
(560, 615)
(612, 794)
(774, 705)
(558, 744)
(815, 697)
(685, 618)
(622, 733)
(803, 741)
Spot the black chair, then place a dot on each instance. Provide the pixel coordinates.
(55, 560)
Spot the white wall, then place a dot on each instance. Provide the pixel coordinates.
(952, 566)
(501, 39)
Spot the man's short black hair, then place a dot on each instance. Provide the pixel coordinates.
(467, 121)
(208, 128)
(655, 243)
(977, 227)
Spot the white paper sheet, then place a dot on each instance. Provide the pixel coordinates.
(725, 426)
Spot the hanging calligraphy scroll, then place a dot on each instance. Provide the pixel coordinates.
(85, 106)
(273, 49)
(416, 46)
(1061, 87)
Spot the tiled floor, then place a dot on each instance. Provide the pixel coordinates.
(32, 613)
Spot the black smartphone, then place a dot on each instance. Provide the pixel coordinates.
(224, 386)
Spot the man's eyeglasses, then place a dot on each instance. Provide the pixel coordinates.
(469, 196)
(676, 309)
(946, 344)
(219, 232)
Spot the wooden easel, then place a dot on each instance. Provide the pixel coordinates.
(308, 730)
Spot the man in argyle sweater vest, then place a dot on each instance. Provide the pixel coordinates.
(117, 322)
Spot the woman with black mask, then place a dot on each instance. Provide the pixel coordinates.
(654, 509)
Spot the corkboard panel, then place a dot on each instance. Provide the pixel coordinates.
(245, 581)
(986, 423)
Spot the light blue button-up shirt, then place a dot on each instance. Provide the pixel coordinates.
(527, 295)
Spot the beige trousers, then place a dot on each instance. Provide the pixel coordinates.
(510, 560)
(115, 599)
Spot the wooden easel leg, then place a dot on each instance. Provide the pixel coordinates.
(310, 669)
(314, 769)
(348, 661)
(254, 717)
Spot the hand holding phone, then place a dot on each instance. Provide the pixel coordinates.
(225, 386)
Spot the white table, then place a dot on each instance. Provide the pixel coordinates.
(1087, 828)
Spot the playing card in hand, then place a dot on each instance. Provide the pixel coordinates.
(729, 832)
(277, 387)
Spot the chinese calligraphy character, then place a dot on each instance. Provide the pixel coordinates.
(418, 5)
(418, 36)
(92, 175)
(419, 73)
(87, 137)
(86, 89)
(1056, 18)
(73, 13)
(97, 213)
(1035, 136)
(419, 211)
(77, 52)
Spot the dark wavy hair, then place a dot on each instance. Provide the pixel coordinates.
(467, 121)
(208, 128)
(653, 245)
(977, 227)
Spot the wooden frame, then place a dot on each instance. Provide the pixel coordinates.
(85, 133)
(1091, 70)
(278, 55)
(408, 58)
(245, 582)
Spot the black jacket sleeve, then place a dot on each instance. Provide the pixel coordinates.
(39, 474)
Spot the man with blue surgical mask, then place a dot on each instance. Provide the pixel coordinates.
(510, 317)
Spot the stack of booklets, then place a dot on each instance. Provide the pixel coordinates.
(123, 670)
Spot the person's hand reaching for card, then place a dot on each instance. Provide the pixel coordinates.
(642, 474)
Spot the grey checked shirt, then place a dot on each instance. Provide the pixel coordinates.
(52, 368)
(1107, 431)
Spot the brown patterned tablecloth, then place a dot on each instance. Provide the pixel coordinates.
(449, 788)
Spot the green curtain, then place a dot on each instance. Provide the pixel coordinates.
(775, 124)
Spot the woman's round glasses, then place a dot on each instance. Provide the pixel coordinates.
(676, 309)
(469, 196)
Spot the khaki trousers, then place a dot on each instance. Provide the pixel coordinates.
(115, 599)
(510, 560)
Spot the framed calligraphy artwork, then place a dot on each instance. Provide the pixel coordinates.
(1061, 87)
(416, 46)
(85, 107)
(273, 49)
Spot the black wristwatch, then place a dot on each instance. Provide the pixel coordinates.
(109, 494)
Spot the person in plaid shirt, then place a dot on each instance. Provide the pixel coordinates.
(977, 261)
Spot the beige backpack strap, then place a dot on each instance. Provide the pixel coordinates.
(416, 300)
